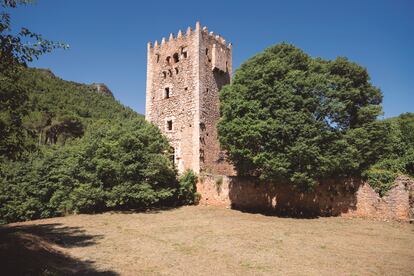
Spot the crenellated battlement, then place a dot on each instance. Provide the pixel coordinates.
(189, 33)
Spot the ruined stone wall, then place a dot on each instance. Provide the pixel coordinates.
(349, 198)
(173, 65)
(215, 72)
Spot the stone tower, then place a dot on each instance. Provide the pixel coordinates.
(184, 76)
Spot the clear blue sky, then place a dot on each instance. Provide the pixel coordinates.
(108, 38)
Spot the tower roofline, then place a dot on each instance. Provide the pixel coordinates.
(164, 42)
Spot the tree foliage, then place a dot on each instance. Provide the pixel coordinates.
(114, 166)
(287, 116)
(400, 154)
(16, 50)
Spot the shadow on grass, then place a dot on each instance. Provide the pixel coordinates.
(277, 213)
(33, 250)
(147, 210)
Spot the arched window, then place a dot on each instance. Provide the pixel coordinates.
(168, 59)
(176, 58)
(184, 52)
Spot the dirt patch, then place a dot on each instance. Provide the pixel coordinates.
(206, 241)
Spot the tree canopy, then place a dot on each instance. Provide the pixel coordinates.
(288, 116)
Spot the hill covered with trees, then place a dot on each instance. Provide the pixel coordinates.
(59, 109)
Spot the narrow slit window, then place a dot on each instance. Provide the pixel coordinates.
(166, 92)
(157, 57)
(164, 74)
(168, 59)
(176, 70)
(206, 51)
(172, 155)
(169, 124)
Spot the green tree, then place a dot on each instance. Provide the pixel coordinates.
(398, 142)
(287, 116)
(16, 50)
(116, 165)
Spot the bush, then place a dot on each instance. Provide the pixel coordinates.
(187, 188)
(409, 162)
(114, 166)
(380, 179)
(399, 145)
(381, 176)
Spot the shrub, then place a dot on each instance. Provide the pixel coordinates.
(399, 145)
(381, 176)
(380, 179)
(187, 188)
(115, 165)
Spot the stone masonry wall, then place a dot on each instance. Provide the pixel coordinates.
(350, 198)
(173, 65)
(215, 72)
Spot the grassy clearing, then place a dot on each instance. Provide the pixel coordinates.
(206, 241)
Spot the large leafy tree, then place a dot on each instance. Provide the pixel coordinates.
(288, 116)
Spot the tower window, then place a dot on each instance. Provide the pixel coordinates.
(184, 52)
(169, 125)
(176, 70)
(168, 59)
(157, 57)
(164, 74)
(176, 58)
(172, 155)
(166, 92)
(169, 72)
(206, 51)
(186, 89)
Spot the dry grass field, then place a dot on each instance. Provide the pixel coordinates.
(205, 241)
